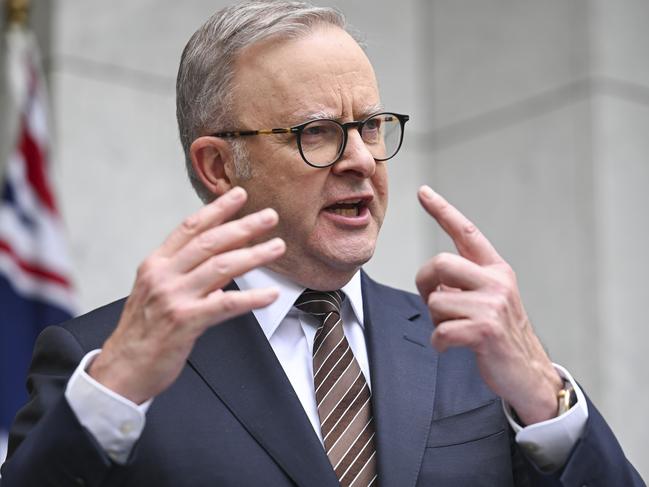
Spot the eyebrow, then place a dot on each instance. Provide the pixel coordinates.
(306, 115)
(371, 109)
(302, 116)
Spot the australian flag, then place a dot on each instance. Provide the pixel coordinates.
(35, 288)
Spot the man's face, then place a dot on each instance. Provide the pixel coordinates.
(281, 83)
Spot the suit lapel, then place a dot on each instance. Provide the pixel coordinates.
(238, 364)
(403, 370)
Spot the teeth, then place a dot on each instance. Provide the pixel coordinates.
(346, 211)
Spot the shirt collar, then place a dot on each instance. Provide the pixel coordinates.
(271, 316)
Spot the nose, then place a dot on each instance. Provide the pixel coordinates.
(356, 158)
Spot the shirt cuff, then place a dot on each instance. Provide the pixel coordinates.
(114, 421)
(549, 443)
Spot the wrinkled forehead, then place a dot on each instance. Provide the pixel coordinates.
(323, 73)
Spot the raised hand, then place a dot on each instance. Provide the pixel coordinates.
(474, 301)
(178, 294)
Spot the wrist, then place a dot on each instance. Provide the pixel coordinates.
(111, 373)
(543, 403)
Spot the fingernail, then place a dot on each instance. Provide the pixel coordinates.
(276, 244)
(427, 192)
(271, 293)
(237, 193)
(268, 215)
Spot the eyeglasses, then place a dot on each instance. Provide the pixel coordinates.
(322, 142)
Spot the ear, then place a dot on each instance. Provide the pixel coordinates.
(212, 162)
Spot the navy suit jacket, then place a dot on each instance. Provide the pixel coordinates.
(233, 419)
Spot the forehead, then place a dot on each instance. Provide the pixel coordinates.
(286, 81)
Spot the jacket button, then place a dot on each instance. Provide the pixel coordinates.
(79, 481)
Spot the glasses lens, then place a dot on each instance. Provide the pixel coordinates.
(382, 135)
(321, 141)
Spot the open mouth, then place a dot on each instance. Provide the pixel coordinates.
(348, 208)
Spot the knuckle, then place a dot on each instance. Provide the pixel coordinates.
(147, 276)
(243, 232)
(511, 279)
(248, 224)
(483, 331)
(260, 253)
(161, 296)
(493, 331)
(177, 315)
(442, 262)
(444, 206)
(434, 301)
(239, 230)
(190, 224)
(499, 304)
(470, 230)
(228, 303)
(206, 241)
(504, 275)
(509, 273)
(162, 307)
(146, 267)
(220, 266)
(420, 279)
(503, 300)
(506, 293)
(442, 331)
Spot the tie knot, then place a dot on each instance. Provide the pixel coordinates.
(319, 302)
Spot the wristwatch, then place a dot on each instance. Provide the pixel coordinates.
(567, 398)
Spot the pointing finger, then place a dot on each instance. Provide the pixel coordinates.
(469, 241)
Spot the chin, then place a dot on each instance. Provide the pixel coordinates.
(336, 257)
(349, 257)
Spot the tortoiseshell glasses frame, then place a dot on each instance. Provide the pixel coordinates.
(321, 142)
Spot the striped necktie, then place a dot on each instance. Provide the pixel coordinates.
(342, 394)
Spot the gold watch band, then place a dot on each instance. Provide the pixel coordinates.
(567, 398)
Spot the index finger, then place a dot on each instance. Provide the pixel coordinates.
(212, 214)
(468, 240)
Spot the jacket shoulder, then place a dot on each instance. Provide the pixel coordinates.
(91, 329)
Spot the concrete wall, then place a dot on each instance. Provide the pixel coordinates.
(532, 117)
(620, 71)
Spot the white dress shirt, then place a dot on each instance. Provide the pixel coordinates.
(117, 423)
(291, 332)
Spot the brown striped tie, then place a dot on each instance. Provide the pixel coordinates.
(342, 394)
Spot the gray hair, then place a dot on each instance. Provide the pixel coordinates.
(204, 84)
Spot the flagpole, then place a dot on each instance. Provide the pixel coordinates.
(16, 12)
(16, 16)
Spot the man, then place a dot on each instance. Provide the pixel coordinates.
(181, 384)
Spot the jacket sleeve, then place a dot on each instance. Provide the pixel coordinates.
(597, 460)
(47, 444)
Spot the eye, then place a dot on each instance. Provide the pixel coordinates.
(372, 124)
(372, 129)
(313, 130)
(320, 131)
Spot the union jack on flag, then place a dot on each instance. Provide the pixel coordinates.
(35, 287)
